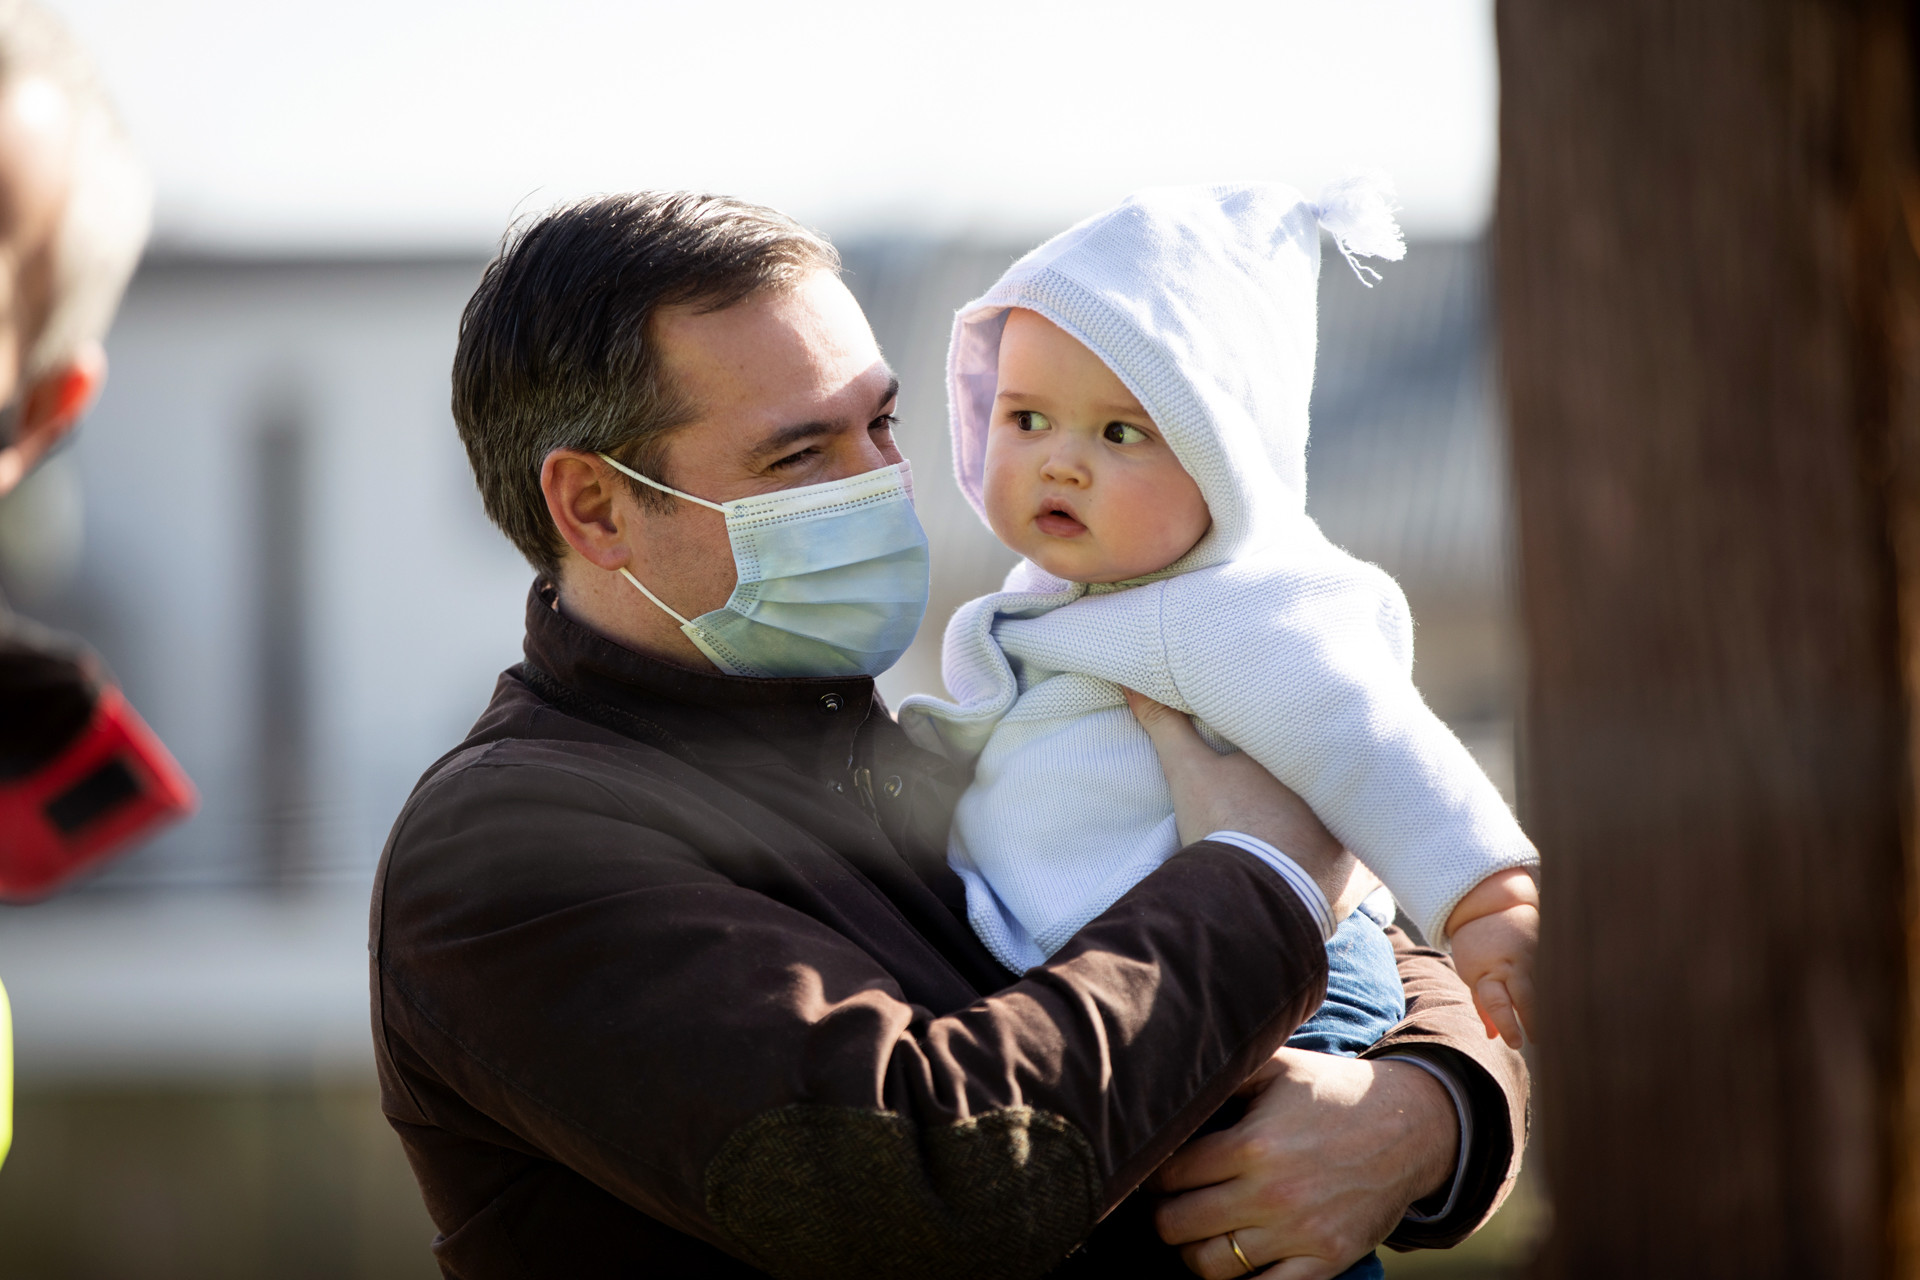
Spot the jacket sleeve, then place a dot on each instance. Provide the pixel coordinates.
(1441, 1026)
(737, 1070)
(1309, 672)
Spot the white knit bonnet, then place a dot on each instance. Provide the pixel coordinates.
(1203, 301)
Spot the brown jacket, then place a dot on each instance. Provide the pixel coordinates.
(669, 973)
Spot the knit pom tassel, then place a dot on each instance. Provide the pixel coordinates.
(1358, 212)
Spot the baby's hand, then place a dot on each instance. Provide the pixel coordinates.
(1494, 931)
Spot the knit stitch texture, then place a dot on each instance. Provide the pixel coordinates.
(1202, 301)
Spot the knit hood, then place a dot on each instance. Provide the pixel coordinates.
(1202, 300)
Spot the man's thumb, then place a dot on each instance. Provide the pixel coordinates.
(1151, 715)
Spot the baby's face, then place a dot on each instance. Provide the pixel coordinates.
(1078, 479)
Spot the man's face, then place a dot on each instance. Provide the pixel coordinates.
(789, 389)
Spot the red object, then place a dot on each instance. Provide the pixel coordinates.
(115, 785)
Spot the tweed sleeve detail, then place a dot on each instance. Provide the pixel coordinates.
(815, 1192)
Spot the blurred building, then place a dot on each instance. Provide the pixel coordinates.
(269, 529)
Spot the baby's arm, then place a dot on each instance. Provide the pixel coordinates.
(1494, 931)
(1313, 680)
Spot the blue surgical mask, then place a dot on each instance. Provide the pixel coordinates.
(832, 578)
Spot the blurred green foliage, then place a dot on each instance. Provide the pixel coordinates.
(209, 1184)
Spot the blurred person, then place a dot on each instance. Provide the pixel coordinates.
(81, 778)
(1166, 549)
(669, 971)
(75, 205)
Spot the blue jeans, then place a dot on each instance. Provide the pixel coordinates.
(1364, 996)
(1364, 1000)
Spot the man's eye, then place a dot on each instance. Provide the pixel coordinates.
(792, 459)
(1121, 433)
(1028, 420)
(885, 422)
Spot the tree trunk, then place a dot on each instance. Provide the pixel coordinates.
(1707, 279)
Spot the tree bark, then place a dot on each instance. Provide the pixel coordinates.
(1707, 279)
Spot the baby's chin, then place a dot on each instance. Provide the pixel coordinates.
(1088, 569)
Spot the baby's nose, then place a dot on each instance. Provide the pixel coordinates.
(1066, 467)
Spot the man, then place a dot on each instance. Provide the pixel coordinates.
(669, 973)
(74, 208)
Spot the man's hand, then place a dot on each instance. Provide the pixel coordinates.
(1322, 1167)
(1212, 792)
(1494, 932)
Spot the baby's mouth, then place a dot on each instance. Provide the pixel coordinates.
(1058, 522)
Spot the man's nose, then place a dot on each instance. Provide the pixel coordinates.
(867, 454)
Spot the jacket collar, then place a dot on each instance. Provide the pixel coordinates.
(715, 719)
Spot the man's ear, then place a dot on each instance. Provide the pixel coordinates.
(49, 407)
(582, 499)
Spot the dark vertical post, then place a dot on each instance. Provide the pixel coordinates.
(282, 630)
(1707, 293)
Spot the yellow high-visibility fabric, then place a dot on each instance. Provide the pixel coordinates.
(6, 1074)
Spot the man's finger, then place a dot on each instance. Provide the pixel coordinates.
(1203, 1162)
(1170, 730)
(1196, 1216)
(1214, 1258)
(1149, 713)
(1303, 1269)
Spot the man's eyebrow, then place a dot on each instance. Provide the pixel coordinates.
(787, 437)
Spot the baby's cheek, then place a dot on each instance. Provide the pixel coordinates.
(1163, 516)
(1000, 492)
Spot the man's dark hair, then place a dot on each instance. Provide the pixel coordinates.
(555, 346)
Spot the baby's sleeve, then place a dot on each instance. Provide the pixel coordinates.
(1307, 667)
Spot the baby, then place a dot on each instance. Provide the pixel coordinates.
(1129, 413)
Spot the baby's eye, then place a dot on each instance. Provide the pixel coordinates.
(1028, 420)
(1121, 433)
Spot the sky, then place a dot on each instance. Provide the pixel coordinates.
(421, 124)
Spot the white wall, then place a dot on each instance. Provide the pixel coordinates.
(413, 600)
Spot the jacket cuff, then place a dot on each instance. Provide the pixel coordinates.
(1482, 1176)
(1298, 880)
(1440, 1205)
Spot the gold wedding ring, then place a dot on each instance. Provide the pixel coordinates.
(1235, 1246)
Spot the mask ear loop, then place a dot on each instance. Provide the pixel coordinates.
(669, 610)
(629, 471)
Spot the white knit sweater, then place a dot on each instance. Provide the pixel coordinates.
(1202, 300)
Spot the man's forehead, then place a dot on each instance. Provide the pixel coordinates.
(806, 344)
